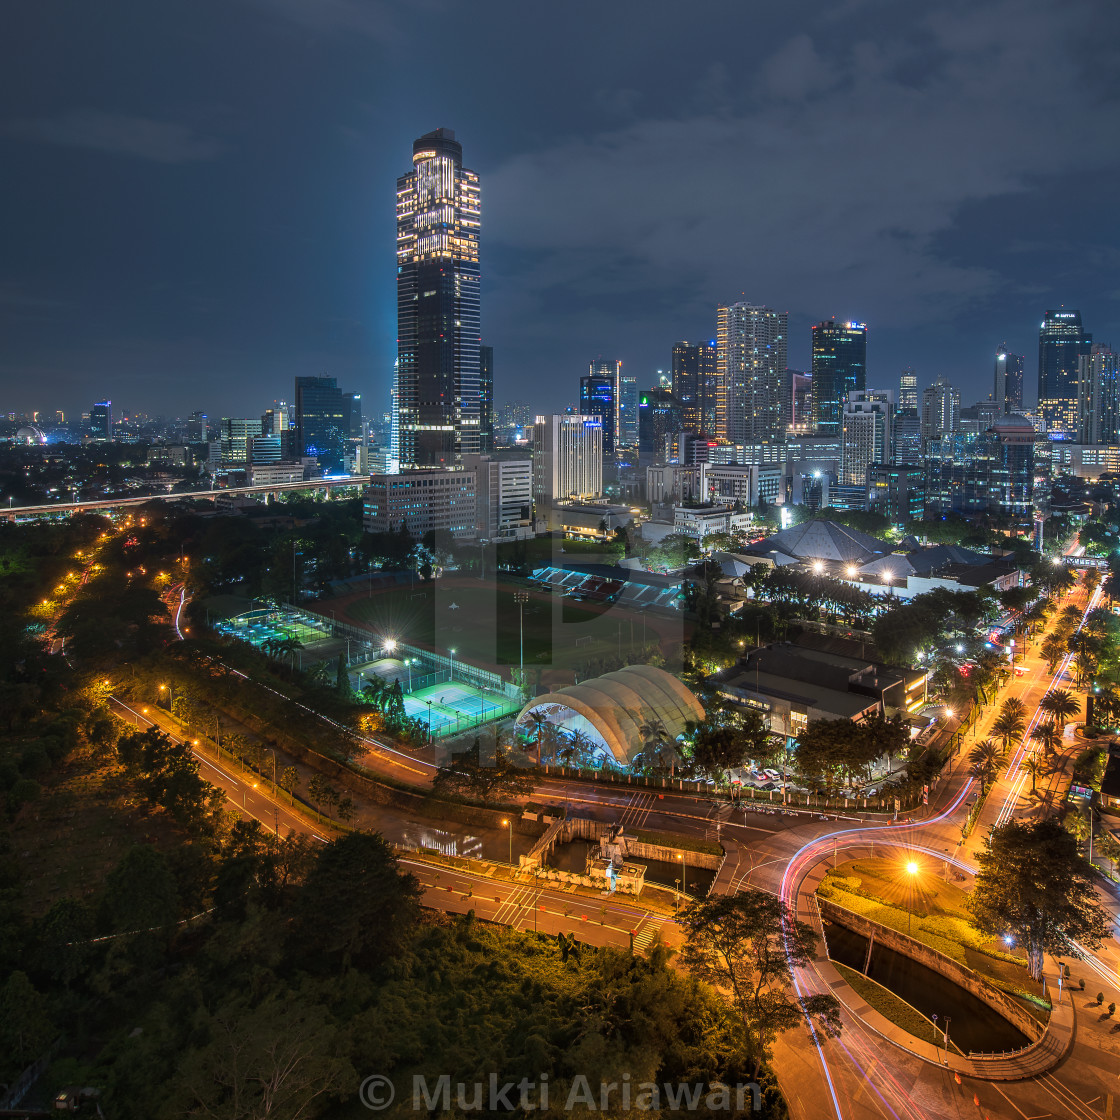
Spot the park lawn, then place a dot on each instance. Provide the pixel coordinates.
(892, 1007)
(937, 916)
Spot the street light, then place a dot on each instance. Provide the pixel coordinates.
(521, 598)
(390, 645)
(452, 652)
(509, 824)
(911, 870)
(684, 874)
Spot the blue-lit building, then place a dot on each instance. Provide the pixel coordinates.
(1062, 343)
(101, 421)
(321, 422)
(839, 368)
(598, 396)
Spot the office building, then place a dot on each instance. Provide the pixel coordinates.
(486, 399)
(1098, 395)
(906, 435)
(659, 418)
(503, 495)
(798, 396)
(865, 433)
(322, 422)
(567, 459)
(1061, 345)
(197, 428)
(438, 307)
(751, 344)
(897, 492)
(941, 411)
(515, 423)
(908, 391)
(694, 385)
(421, 501)
(101, 421)
(741, 485)
(990, 472)
(598, 396)
(1007, 390)
(979, 417)
(236, 436)
(839, 368)
(628, 403)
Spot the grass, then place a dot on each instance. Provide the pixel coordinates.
(891, 1007)
(676, 840)
(937, 916)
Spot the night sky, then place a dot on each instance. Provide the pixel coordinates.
(198, 196)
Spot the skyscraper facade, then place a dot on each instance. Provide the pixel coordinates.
(567, 459)
(1061, 344)
(908, 391)
(866, 431)
(628, 410)
(941, 411)
(438, 306)
(839, 368)
(486, 399)
(1098, 395)
(1007, 390)
(321, 422)
(598, 396)
(101, 421)
(751, 345)
(694, 385)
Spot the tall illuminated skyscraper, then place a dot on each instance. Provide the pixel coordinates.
(908, 391)
(1061, 345)
(1007, 390)
(839, 368)
(599, 395)
(438, 308)
(750, 364)
(486, 399)
(694, 385)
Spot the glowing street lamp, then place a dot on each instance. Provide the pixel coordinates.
(509, 824)
(390, 645)
(452, 652)
(911, 871)
(851, 571)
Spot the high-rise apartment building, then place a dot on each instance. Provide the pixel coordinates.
(908, 391)
(694, 385)
(751, 344)
(598, 396)
(1098, 395)
(567, 459)
(1007, 390)
(1061, 345)
(906, 438)
(659, 418)
(197, 428)
(503, 495)
(321, 422)
(941, 411)
(866, 433)
(628, 401)
(839, 368)
(800, 402)
(101, 421)
(237, 436)
(486, 399)
(515, 422)
(438, 306)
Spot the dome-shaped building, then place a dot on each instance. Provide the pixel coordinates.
(611, 710)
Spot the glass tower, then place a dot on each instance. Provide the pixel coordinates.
(1008, 389)
(1061, 345)
(322, 422)
(839, 368)
(598, 396)
(438, 309)
(908, 391)
(694, 385)
(486, 399)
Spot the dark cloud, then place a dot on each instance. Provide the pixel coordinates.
(120, 134)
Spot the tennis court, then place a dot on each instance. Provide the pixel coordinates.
(457, 706)
(259, 627)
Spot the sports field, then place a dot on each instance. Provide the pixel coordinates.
(278, 626)
(456, 706)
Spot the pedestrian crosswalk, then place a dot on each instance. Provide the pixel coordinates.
(646, 936)
(638, 810)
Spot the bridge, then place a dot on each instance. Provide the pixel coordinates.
(270, 490)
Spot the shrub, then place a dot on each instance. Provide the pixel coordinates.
(1112, 1009)
(1100, 998)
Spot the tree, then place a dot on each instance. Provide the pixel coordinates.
(1008, 727)
(356, 906)
(747, 944)
(658, 751)
(483, 777)
(1034, 885)
(1059, 705)
(985, 760)
(539, 719)
(1047, 736)
(1036, 768)
(25, 1025)
(289, 781)
(316, 789)
(1053, 650)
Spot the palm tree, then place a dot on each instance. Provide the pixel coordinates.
(657, 741)
(1059, 704)
(1014, 706)
(1085, 666)
(1008, 727)
(1035, 767)
(539, 719)
(985, 760)
(1053, 650)
(1047, 736)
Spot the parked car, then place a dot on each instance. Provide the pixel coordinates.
(773, 775)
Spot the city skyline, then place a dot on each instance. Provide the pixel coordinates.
(175, 252)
